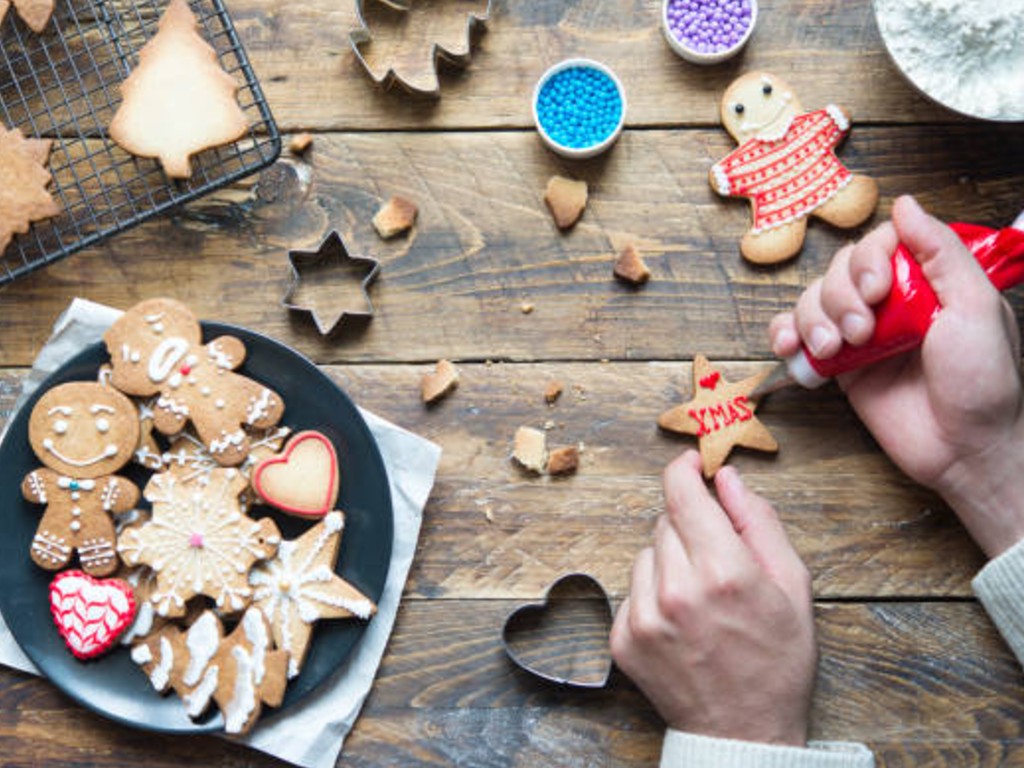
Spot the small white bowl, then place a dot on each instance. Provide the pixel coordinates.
(699, 57)
(593, 150)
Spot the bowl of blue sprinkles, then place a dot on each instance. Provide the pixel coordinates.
(579, 106)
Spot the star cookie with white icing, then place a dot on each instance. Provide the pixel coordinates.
(298, 587)
(720, 415)
(198, 541)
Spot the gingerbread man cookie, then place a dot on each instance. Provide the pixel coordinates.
(83, 432)
(156, 349)
(786, 166)
(198, 542)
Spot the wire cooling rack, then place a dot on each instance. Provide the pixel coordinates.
(63, 84)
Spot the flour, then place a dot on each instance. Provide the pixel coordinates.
(966, 54)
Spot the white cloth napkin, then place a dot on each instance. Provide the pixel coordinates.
(311, 733)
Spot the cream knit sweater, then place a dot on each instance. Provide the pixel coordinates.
(1000, 588)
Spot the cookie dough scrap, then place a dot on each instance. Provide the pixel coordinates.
(35, 13)
(177, 101)
(23, 184)
(720, 416)
(299, 587)
(566, 199)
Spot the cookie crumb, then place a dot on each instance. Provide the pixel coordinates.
(526, 307)
(300, 143)
(630, 266)
(563, 461)
(396, 216)
(566, 199)
(443, 380)
(553, 391)
(530, 449)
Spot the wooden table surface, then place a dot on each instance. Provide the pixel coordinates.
(910, 664)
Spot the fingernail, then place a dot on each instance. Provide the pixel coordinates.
(784, 341)
(867, 283)
(819, 341)
(852, 324)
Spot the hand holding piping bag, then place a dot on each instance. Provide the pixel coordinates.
(911, 323)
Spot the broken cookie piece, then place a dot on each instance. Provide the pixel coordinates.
(566, 199)
(530, 449)
(395, 217)
(300, 143)
(564, 461)
(552, 392)
(443, 380)
(630, 266)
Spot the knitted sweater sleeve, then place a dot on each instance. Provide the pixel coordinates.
(688, 750)
(1000, 588)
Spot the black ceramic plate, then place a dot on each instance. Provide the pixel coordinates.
(113, 685)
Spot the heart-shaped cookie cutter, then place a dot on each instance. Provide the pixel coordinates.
(331, 248)
(360, 37)
(564, 638)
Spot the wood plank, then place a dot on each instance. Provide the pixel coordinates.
(830, 51)
(492, 530)
(914, 680)
(485, 244)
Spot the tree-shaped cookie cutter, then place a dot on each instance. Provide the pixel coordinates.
(332, 252)
(359, 38)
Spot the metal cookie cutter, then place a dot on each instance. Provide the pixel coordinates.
(332, 261)
(564, 639)
(359, 38)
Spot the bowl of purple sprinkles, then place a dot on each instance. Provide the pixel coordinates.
(708, 31)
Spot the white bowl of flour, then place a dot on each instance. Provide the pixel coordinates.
(967, 55)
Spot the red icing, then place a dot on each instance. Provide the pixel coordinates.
(711, 380)
(788, 177)
(716, 417)
(186, 370)
(88, 612)
(902, 319)
(328, 485)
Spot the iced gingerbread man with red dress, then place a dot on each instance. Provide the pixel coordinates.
(787, 167)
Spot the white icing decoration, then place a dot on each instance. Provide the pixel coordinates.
(167, 355)
(102, 426)
(762, 129)
(201, 640)
(198, 700)
(243, 700)
(60, 426)
(141, 654)
(721, 180)
(63, 410)
(94, 409)
(227, 441)
(838, 117)
(219, 357)
(108, 452)
(160, 676)
(259, 407)
(84, 484)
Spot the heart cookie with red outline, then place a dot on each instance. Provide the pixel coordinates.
(303, 479)
(90, 614)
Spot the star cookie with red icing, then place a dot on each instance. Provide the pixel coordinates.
(720, 416)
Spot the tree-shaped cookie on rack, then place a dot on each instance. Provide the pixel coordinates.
(35, 13)
(23, 183)
(178, 100)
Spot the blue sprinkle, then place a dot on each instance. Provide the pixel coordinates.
(579, 107)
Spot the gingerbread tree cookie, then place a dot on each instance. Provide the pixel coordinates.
(178, 100)
(35, 13)
(199, 542)
(83, 432)
(156, 349)
(786, 166)
(23, 183)
(720, 415)
(298, 587)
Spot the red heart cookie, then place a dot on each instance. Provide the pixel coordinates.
(303, 479)
(90, 614)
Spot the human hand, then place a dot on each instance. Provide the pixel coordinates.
(717, 630)
(950, 413)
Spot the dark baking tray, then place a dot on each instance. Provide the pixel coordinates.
(63, 84)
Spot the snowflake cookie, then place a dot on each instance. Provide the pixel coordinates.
(199, 542)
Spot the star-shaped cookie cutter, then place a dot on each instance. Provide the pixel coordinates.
(362, 36)
(331, 253)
